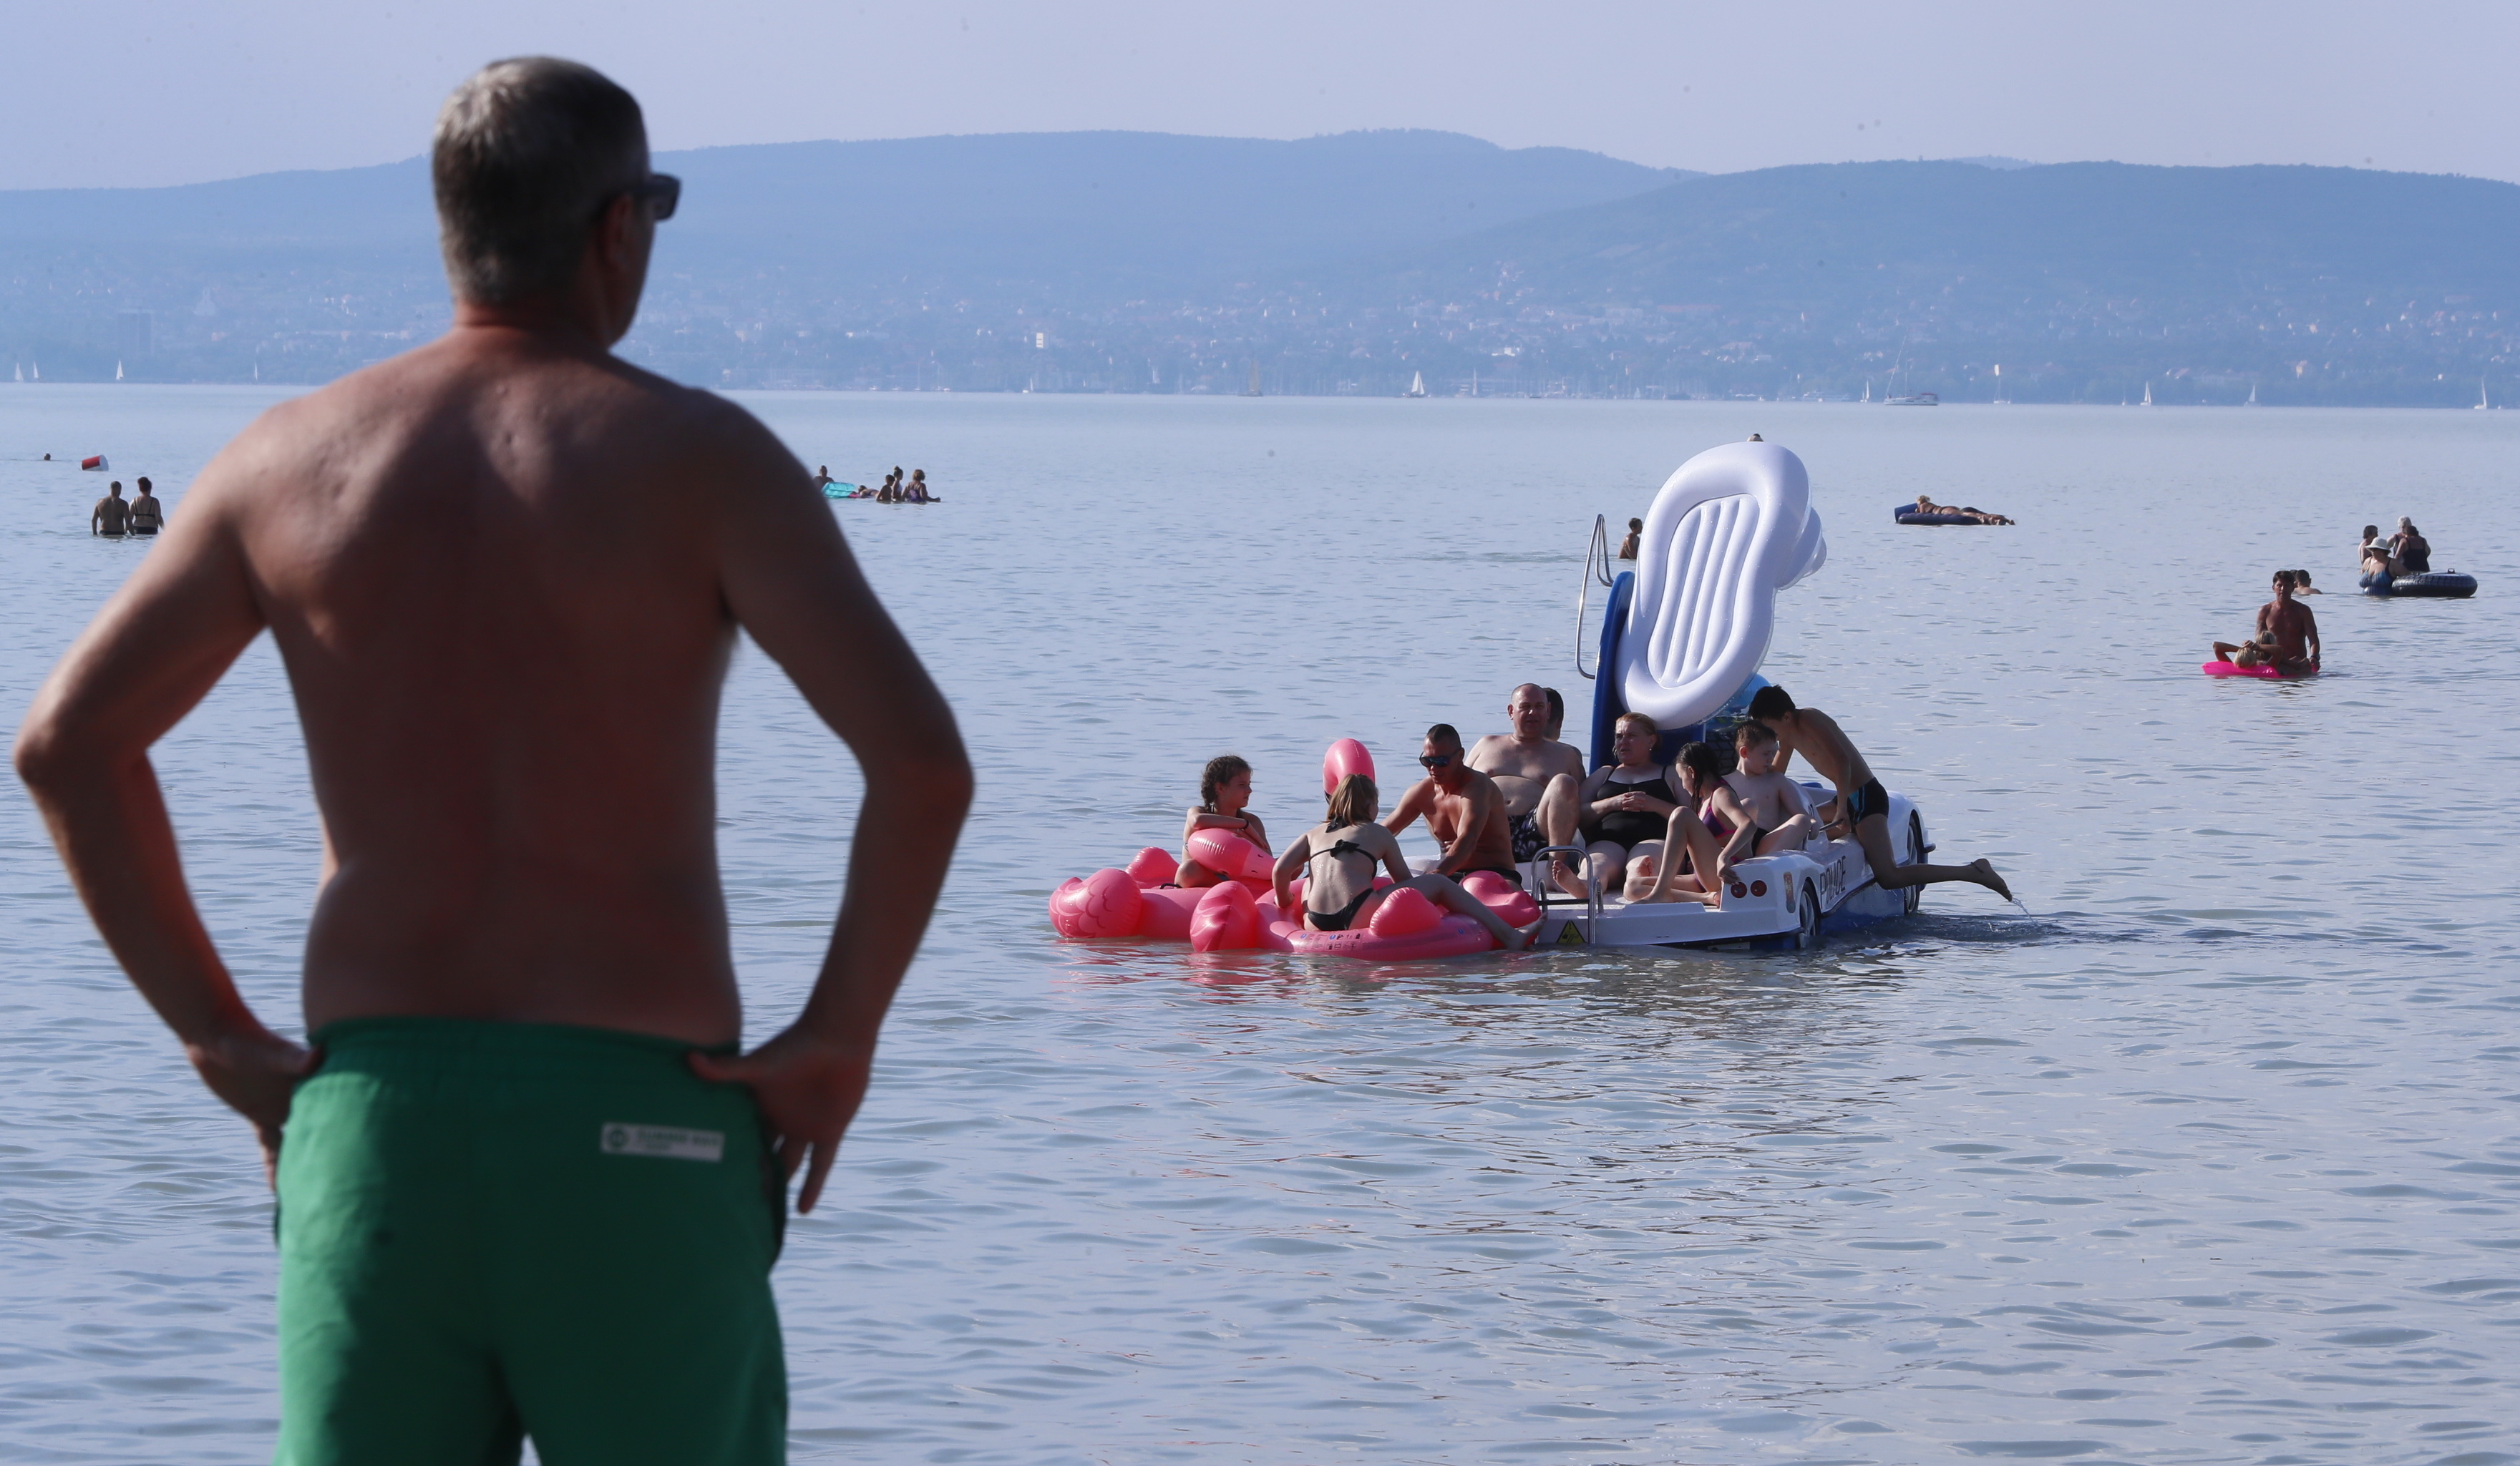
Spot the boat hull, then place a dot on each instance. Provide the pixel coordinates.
(1778, 901)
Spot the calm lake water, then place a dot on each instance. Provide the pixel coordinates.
(2212, 1157)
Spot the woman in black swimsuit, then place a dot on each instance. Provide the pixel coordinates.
(1624, 805)
(1337, 859)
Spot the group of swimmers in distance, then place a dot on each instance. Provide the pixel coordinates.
(114, 517)
(2406, 553)
(1926, 506)
(2287, 637)
(1650, 833)
(895, 489)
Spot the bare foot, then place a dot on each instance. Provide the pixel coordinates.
(1984, 875)
(1564, 874)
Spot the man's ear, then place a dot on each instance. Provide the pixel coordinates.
(613, 232)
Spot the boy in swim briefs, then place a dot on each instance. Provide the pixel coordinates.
(1862, 807)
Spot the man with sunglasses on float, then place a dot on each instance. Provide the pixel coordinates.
(528, 1187)
(1465, 811)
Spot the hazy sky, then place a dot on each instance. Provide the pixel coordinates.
(133, 92)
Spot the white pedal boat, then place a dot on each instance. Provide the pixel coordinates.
(1787, 901)
(1682, 638)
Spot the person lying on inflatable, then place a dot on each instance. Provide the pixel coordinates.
(1223, 789)
(2287, 638)
(1337, 859)
(1926, 506)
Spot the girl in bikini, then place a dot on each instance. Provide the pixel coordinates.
(1337, 859)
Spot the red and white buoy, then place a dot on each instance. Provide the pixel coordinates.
(94, 464)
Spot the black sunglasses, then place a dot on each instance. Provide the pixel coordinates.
(1436, 760)
(660, 191)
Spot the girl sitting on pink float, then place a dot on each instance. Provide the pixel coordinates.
(1223, 789)
(1337, 859)
(1254, 901)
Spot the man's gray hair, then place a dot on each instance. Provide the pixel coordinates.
(526, 153)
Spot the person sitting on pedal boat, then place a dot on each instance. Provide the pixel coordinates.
(1625, 803)
(1780, 813)
(1702, 834)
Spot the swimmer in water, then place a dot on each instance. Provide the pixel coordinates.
(112, 517)
(148, 516)
(1338, 857)
(1223, 789)
(1628, 546)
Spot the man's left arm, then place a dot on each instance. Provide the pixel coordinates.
(790, 580)
(2310, 632)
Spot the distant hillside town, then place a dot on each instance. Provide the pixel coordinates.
(1363, 264)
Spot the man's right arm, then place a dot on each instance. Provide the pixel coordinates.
(151, 653)
(790, 582)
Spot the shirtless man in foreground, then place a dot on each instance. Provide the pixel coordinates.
(2287, 635)
(1862, 805)
(1540, 779)
(1465, 811)
(528, 1186)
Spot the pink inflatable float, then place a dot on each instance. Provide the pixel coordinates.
(1240, 913)
(2234, 669)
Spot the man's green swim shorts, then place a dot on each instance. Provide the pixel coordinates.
(490, 1231)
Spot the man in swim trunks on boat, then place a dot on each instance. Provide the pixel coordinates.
(2287, 635)
(1862, 806)
(1465, 811)
(1541, 781)
(527, 1185)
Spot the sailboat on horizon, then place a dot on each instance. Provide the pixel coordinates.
(2481, 402)
(2147, 395)
(2253, 396)
(117, 371)
(1417, 385)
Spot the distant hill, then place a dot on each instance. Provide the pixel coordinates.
(2326, 284)
(1138, 262)
(297, 257)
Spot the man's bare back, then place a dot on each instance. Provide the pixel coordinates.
(496, 575)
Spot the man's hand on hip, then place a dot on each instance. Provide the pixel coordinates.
(808, 1089)
(255, 1071)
